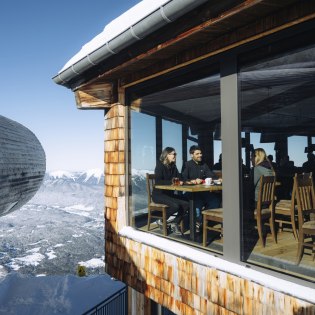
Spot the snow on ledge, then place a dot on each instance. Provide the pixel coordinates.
(202, 258)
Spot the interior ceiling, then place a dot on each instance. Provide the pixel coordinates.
(276, 95)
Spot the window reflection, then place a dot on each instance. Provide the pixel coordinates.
(277, 115)
(180, 117)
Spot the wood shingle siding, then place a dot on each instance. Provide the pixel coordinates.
(186, 287)
(114, 146)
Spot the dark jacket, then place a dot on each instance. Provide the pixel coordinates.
(163, 176)
(193, 170)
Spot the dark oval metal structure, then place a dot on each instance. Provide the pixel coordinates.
(22, 165)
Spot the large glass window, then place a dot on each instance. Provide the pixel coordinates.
(179, 117)
(143, 156)
(277, 97)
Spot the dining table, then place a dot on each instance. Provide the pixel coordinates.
(192, 189)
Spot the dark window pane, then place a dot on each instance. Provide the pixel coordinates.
(179, 117)
(277, 119)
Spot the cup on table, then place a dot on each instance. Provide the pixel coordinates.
(208, 181)
(176, 181)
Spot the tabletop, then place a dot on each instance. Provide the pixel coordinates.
(190, 188)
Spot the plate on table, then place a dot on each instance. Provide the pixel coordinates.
(217, 181)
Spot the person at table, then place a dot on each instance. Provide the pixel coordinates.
(165, 171)
(218, 166)
(194, 172)
(261, 166)
(274, 165)
(285, 174)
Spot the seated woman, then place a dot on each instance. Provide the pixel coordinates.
(165, 171)
(262, 166)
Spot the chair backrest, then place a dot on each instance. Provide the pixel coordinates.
(303, 175)
(150, 182)
(305, 196)
(266, 194)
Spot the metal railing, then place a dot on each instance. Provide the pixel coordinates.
(116, 304)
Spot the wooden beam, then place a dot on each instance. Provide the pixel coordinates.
(95, 96)
(208, 39)
(216, 46)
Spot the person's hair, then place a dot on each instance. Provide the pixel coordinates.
(194, 148)
(165, 152)
(260, 156)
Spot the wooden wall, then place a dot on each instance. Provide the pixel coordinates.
(182, 286)
(189, 288)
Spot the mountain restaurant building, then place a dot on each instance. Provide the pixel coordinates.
(230, 76)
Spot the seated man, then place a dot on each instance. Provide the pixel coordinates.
(195, 171)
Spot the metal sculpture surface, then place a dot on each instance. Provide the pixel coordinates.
(22, 165)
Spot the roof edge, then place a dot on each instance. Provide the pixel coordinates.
(166, 13)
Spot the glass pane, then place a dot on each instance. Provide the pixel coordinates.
(172, 137)
(143, 157)
(171, 122)
(277, 123)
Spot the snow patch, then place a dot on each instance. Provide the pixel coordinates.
(80, 207)
(77, 235)
(30, 260)
(59, 245)
(97, 173)
(93, 263)
(33, 250)
(3, 272)
(14, 266)
(51, 254)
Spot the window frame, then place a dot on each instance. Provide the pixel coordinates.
(231, 139)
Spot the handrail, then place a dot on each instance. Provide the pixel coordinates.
(115, 304)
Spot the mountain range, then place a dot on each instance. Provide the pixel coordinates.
(62, 226)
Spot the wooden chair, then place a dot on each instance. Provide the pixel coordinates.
(286, 210)
(211, 215)
(155, 210)
(265, 210)
(305, 199)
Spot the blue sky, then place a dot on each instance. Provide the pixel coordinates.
(37, 39)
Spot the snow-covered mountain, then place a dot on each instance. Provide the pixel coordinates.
(90, 177)
(62, 225)
(138, 178)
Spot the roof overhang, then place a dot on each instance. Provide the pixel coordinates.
(137, 23)
(207, 30)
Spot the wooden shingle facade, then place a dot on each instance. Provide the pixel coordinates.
(158, 270)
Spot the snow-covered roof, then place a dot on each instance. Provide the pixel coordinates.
(116, 27)
(135, 24)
